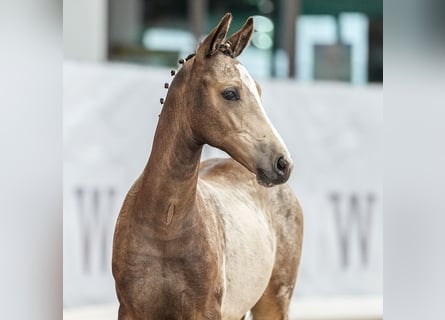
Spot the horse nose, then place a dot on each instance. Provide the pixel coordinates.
(282, 166)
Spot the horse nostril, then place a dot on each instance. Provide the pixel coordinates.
(282, 165)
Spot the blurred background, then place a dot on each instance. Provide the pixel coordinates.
(306, 39)
(320, 66)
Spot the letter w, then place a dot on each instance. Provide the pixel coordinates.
(95, 208)
(359, 215)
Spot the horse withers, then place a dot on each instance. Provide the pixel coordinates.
(216, 239)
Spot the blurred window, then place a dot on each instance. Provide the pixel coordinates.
(340, 41)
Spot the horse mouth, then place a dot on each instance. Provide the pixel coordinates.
(262, 179)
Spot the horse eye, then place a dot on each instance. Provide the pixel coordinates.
(230, 94)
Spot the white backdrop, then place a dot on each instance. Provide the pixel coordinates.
(333, 132)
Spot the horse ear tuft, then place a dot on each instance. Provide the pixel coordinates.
(212, 42)
(241, 39)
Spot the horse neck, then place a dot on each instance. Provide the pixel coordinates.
(171, 175)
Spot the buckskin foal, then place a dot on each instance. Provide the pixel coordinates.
(212, 240)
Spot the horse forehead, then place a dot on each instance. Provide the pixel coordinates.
(244, 74)
(248, 81)
(230, 70)
(227, 70)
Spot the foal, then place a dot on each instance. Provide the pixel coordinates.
(213, 240)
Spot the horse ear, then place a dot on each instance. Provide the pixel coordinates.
(211, 43)
(241, 39)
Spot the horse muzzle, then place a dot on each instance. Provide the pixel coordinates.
(278, 172)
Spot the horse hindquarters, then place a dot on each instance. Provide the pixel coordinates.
(288, 224)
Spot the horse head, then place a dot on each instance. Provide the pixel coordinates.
(225, 109)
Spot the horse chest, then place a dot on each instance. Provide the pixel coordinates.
(249, 250)
(250, 257)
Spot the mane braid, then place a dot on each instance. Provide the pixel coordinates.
(191, 55)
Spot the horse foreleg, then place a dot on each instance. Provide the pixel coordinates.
(123, 314)
(271, 307)
(274, 303)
